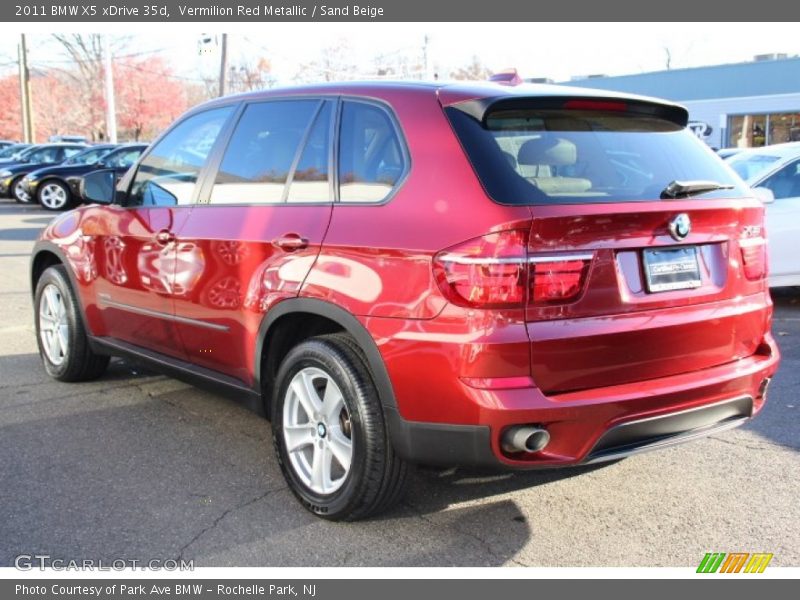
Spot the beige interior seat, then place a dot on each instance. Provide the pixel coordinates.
(551, 151)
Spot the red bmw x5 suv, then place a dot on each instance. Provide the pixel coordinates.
(521, 276)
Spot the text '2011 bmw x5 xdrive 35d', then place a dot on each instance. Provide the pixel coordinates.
(520, 276)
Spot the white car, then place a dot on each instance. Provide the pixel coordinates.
(777, 168)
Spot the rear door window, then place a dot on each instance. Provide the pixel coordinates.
(556, 156)
(372, 160)
(262, 151)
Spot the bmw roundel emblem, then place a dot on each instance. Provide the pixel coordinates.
(680, 227)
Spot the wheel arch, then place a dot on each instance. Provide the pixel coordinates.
(46, 254)
(345, 321)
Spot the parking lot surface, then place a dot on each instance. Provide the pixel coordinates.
(141, 466)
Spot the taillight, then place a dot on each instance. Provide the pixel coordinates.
(495, 271)
(754, 257)
(486, 272)
(558, 278)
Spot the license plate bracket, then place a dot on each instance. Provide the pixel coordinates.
(668, 269)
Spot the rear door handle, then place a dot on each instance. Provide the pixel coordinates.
(164, 237)
(291, 242)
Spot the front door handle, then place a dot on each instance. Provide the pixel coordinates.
(164, 237)
(291, 242)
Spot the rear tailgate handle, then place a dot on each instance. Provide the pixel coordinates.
(291, 242)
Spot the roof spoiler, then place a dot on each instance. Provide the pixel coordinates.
(479, 108)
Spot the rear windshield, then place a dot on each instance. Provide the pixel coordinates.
(556, 156)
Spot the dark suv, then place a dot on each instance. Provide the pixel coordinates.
(516, 276)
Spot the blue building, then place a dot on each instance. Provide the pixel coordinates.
(737, 105)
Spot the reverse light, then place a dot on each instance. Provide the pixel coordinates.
(558, 278)
(754, 257)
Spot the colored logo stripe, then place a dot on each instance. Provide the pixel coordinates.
(734, 562)
(758, 562)
(711, 562)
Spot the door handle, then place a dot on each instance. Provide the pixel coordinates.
(164, 237)
(291, 242)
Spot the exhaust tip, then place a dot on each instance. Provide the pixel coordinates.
(525, 438)
(762, 389)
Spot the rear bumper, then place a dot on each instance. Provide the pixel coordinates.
(596, 425)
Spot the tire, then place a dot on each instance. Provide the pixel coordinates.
(18, 194)
(57, 313)
(376, 477)
(54, 195)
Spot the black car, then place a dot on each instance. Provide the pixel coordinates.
(11, 153)
(11, 174)
(120, 160)
(48, 186)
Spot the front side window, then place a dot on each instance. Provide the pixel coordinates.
(784, 183)
(48, 154)
(168, 174)
(262, 151)
(751, 166)
(371, 157)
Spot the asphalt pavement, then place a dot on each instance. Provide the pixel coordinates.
(141, 466)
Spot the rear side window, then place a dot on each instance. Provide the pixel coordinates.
(168, 174)
(557, 156)
(71, 151)
(122, 159)
(310, 180)
(371, 155)
(262, 151)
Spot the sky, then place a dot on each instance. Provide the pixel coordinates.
(558, 51)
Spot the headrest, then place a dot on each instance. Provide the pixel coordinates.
(548, 150)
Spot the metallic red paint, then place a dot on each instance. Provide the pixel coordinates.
(612, 354)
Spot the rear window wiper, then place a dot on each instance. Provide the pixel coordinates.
(681, 189)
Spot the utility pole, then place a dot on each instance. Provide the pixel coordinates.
(111, 108)
(223, 64)
(25, 91)
(427, 74)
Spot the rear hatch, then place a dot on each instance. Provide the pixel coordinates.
(645, 252)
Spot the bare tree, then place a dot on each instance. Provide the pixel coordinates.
(86, 52)
(253, 75)
(668, 52)
(475, 70)
(336, 62)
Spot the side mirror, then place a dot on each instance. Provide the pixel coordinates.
(98, 187)
(764, 194)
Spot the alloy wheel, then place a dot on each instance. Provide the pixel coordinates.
(53, 325)
(53, 196)
(20, 193)
(317, 431)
